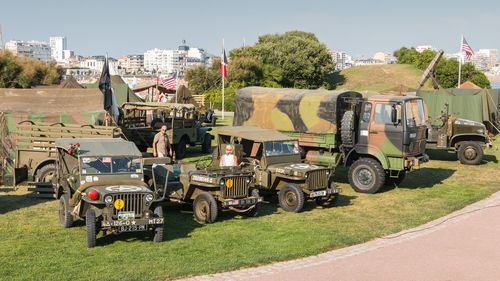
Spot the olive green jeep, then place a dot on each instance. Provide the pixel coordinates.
(276, 162)
(101, 182)
(208, 189)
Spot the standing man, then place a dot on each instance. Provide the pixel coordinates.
(161, 143)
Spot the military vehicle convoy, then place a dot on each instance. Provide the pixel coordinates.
(101, 181)
(275, 160)
(467, 138)
(380, 137)
(140, 122)
(208, 189)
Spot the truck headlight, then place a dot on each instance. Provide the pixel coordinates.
(108, 199)
(149, 197)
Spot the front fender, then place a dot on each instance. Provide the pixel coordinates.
(468, 137)
(367, 150)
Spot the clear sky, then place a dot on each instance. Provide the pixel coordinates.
(357, 27)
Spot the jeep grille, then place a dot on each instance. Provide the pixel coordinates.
(317, 180)
(134, 202)
(238, 190)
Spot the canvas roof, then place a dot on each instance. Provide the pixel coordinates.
(70, 82)
(156, 105)
(101, 147)
(254, 133)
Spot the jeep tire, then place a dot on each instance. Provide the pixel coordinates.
(291, 198)
(180, 149)
(65, 217)
(207, 143)
(158, 230)
(470, 153)
(366, 175)
(255, 210)
(205, 208)
(90, 225)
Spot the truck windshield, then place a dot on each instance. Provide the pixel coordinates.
(282, 148)
(415, 113)
(106, 165)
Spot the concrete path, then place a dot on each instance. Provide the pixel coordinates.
(464, 245)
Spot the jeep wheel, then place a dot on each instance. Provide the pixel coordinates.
(255, 210)
(90, 225)
(470, 153)
(180, 149)
(214, 121)
(291, 198)
(158, 231)
(46, 173)
(327, 201)
(207, 143)
(205, 208)
(65, 217)
(366, 175)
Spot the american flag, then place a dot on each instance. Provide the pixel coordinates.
(170, 82)
(467, 49)
(223, 63)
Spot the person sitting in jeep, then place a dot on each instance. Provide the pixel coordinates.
(229, 159)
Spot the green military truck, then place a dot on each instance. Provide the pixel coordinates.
(380, 137)
(34, 148)
(467, 138)
(140, 122)
(208, 189)
(101, 181)
(275, 159)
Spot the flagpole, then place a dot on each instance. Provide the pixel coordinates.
(222, 73)
(460, 61)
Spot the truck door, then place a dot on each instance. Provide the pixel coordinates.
(364, 122)
(383, 134)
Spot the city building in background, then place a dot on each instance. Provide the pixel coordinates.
(341, 59)
(131, 63)
(425, 47)
(57, 46)
(29, 49)
(386, 58)
(161, 61)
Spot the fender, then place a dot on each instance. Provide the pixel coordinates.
(473, 137)
(368, 150)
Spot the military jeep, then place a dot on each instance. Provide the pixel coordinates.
(467, 138)
(208, 189)
(276, 161)
(101, 182)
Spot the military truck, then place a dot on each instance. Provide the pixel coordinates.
(208, 189)
(101, 181)
(380, 137)
(34, 147)
(140, 122)
(467, 138)
(275, 159)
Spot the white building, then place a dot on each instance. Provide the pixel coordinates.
(164, 61)
(341, 59)
(29, 49)
(425, 47)
(385, 57)
(57, 47)
(491, 57)
(131, 62)
(67, 54)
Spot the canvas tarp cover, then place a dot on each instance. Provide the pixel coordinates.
(121, 90)
(471, 104)
(291, 110)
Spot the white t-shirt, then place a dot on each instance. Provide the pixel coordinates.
(227, 160)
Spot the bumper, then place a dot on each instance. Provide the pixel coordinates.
(146, 222)
(333, 189)
(244, 202)
(412, 161)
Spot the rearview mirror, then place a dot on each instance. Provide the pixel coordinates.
(394, 115)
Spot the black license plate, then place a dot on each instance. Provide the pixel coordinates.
(132, 228)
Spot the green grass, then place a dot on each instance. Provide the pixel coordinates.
(34, 247)
(382, 77)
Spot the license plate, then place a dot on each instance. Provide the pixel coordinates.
(130, 228)
(126, 215)
(317, 193)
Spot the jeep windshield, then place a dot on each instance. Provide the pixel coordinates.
(281, 148)
(415, 115)
(108, 165)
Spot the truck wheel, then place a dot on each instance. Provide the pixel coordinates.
(366, 175)
(205, 208)
(46, 173)
(65, 217)
(347, 129)
(327, 202)
(291, 198)
(214, 121)
(255, 210)
(207, 143)
(90, 225)
(158, 231)
(470, 153)
(395, 181)
(180, 149)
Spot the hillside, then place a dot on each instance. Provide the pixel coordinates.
(381, 77)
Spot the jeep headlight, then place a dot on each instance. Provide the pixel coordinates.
(149, 197)
(248, 180)
(327, 172)
(306, 175)
(221, 182)
(108, 199)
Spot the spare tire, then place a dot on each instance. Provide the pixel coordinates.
(347, 129)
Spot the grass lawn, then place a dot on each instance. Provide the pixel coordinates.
(34, 247)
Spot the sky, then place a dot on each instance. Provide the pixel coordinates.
(360, 28)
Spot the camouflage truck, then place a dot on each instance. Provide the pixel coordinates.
(275, 160)
(141, 121)
(380, 137)
(467, 138)
(101, 181)
(208, 189)
(34, 147)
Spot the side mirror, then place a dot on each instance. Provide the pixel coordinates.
(394, 115)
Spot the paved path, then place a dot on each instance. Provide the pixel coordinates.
(464, 245)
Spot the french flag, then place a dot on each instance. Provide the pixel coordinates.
(223, 63)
